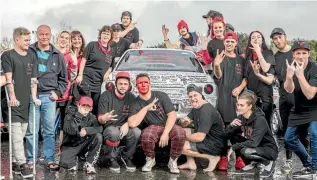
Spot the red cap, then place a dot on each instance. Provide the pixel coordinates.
(231, 35)
(123, 74)
(182, 23)
(85, 100)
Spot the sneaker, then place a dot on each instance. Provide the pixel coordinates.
(89, 168)
(223, 163)
(287, 167)
(246, 170)
(16, 168)
(267, 170)
(74, 168)
(239, 163)
(305, 172)
(26, 171)
(114, 165)
(150, 163)
(172, 165)
(128, 164)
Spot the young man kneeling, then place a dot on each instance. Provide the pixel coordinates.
(208, 140)
(252, 136)
(82, 134)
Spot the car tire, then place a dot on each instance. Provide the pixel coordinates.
(275, 122)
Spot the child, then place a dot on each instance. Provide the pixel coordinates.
(82, 134)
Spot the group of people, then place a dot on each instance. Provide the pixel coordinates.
(69, 77)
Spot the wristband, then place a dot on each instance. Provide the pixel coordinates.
(9, 81)
(166, 39)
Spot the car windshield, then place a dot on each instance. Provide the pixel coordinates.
(159, 60)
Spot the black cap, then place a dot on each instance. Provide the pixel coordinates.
(277, 31)
(116, 26)
(193, 87)
(301, 45)
(209, 14)
(126, 13)
(229, 28)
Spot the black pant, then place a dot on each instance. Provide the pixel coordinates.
(131, 140)
(95, 98)
(91, 145)
(267, 108)
(251, 154)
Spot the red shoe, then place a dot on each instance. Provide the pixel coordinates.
(223, 163)
(239, 163)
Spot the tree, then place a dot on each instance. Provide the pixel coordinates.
(63, 26)
(243, 41)
(6, 43)
(159, 45)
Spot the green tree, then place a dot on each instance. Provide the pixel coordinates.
(243, 41)
(159, 45)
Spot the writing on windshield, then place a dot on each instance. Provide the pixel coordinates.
(159, 60)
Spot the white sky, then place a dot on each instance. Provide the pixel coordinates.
(296, 17)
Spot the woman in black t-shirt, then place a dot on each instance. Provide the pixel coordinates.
(259, 71)
(97, 63)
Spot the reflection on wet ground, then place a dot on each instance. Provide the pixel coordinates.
(158, 173)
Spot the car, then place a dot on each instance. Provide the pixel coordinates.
(170, 71)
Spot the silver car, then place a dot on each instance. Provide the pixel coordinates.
(170, 71)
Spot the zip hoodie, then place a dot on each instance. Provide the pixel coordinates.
(74, 122)
(256, 131)
(55, 78)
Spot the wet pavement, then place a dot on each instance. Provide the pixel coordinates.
(159, 172)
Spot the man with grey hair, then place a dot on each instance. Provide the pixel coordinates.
(52, 82)
(20, 69)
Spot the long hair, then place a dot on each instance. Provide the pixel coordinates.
(215, 20)
(83, 44)
(69, 42)
(248, 51)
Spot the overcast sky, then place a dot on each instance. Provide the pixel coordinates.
(297, 18)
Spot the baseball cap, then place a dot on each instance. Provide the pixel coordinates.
(229, 27)
(193, 87)
(209, 14)
(233, 35)
(116, 26)
(123, 74)
(277, 31)
(85, 100)
(301, 45)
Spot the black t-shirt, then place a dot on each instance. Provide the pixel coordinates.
(97, 65)
(232, 76)
(213, 45)
(23, 68)
(163, 107)
(109, 101)
(190, 40)
(133, 35)
(120, 47)
(280, 67)
(304, 110)
(262, 90)
(207, 120)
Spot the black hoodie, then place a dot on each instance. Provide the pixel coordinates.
(73, 123)
(256, 131)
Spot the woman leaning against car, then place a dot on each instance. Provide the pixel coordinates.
(96, 64)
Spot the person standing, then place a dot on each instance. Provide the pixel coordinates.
(20, 69)
(301, 80)
(52, 84)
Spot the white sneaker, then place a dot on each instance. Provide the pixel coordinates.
(149, 164)
(287, 167)
(74, 168)
(89, 168)
(172, 164)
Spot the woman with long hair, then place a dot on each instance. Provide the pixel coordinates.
(78, 44)
(96, 64)
(260, 71)
(252, 137)
(217, 34)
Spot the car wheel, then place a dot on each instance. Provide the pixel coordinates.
(275, 121)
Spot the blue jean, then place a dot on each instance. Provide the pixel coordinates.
(293, 143)
(45, 112)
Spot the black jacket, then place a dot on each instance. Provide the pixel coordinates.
(74, 122)
(256, 131)
(55, 79)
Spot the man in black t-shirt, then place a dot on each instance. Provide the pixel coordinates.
(116, 127)
(119, 45)
(301, 80)
(208, 140)
(228, 75)
(156, 111)
(286, 100)
(129, 31)
(20, 68)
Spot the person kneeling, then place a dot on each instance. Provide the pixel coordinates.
(82, 134)
(208, 140)
(252, 136)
